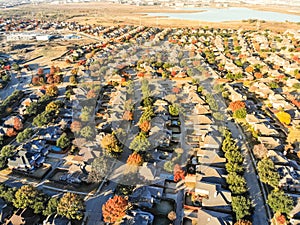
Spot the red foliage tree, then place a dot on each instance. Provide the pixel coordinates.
(114, 209)
(233, 106)
(11, 132)
(35, 80)
(40, 71)
(18, 125)
(178, 173)
(140, 74)
(52, 70)
(135, 159)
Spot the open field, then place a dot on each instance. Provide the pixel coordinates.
(116, 14)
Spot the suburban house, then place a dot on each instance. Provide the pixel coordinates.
(5, 210)
(23, 216)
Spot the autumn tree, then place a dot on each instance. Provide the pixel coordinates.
(18, 125)
(172, 216)
(283, 117)
(243, 222)
(54, 106)
(179, 173)
(135, 159)
(110, 144)
(128, 115)
(145, 126)
(91, 94)
(35, 80)
(10, 132)
(114, 209)
(71, 206)
(233, 106)
(260, 151)
(40, 71)
(52, 91)
(29, 197)
(76, 126)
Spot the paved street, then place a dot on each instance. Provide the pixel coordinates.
(259, 214)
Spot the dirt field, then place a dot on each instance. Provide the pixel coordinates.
(116, 14)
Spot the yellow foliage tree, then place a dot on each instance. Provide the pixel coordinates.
(283, 117)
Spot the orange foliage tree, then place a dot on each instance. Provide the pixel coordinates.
(11, 132)
(249, 69)
(234, 106)
(52, 90)
(178, 173)
(258, 75)
(128, 115)
(114, 209)
(18, 125)
(243, 222)
(91, 94)
(145, 126)
(135, 159)
(76, 126)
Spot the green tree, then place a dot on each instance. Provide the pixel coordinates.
(140, 143)
(87, 132)
(169, 166)
(237, 183)
(86, 113)
(234, 156)
(241, 206)
(174, 109)
(29, 196)
(7, 151)
(71, 206)
(43, 119)
(268, 173)
(280, 202)
(7, 193)
(234, 167)
(24, 135)
(100, 167)
(63, 141)
(147, 114)
(240, 113)
(51, 207)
